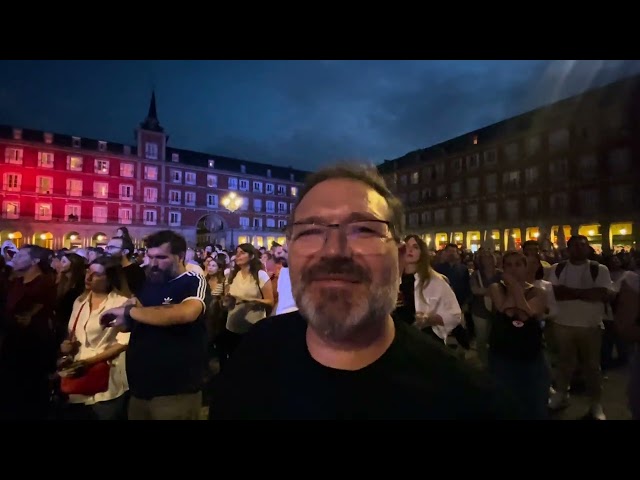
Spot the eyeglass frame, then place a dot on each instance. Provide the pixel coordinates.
(340, 226)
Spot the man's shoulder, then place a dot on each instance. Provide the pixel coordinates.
(278, 326)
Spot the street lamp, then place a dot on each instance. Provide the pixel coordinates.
(232, 203)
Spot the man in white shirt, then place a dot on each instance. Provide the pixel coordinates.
(286, 303)
(581, 288)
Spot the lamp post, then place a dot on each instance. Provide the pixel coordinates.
(232, 203)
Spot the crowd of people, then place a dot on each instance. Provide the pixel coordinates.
(350, 319)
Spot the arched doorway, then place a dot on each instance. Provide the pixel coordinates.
(43, 239)
(99, 240)
(72, 240)
(14, 236)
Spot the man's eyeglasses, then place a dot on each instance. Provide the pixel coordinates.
(365, 236)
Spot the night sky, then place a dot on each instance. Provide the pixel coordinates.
(291, 113)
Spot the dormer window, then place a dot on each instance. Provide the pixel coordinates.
(75, 141)
(212, 163)
(102, 146)
(17, 134)
(48, 138)
(243, 169)
(175, 158)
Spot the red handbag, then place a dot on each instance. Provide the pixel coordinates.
(95, 378)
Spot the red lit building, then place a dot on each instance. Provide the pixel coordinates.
(65, 191)
(572, 165)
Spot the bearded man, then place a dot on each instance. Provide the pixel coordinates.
(341, 356)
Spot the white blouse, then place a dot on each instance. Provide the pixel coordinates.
(438, 298)
(95, 340)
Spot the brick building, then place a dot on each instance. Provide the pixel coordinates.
(572, 164)
(64, 191)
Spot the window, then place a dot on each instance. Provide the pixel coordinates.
(282, 207)
(455, 190)
(282, 224)
(244, 222)
(271, 206)
(532, 205)
(126, 192)
(13, 155)
(257, 187)
(511, 180)
(244, 185)
(150, 195)
(74, 163)
(257, 204)
(413, 219)
(125, 216)
(472, 213)
(126, 149)
(11, 182)
(271, 223)
(269, 188)
(43, 211)
(559, 168)
(100, 190)
(257, 223)
(212, 163)
(151, 151)
(472, 186)
(150, 217)
(100, 214)
(622, 196)
(150, 172)
(589, 201)
(175, 219)
(127, 170)
(176, 176)
(491, 211)
(72, 212)
(232, 183)
(559, 140)
(456, 165)
(190, 178)
(174, 197)
(268, 173)
(75, 142)
(48, 138)
(415, 178)
(44, 185)
(558, 202)
(243, 169)
(425, 218)
(533, 145)
(491, 183)
(101, 167)
(620, 160)
(414, 196)
(74, 187)
(11, 210)
(473, 161)
(588, 165)
(294, 191)
(456, 215)
(531, 175)
(212, 181)
(404, 180)
(45, 159)
(282, 190)
(175, 158)
(511, 152)
(441, 192)
(490, 158)
(440, 216)
(102, 146)
(512, 207)
(212, 200)
(190, 198)
(292, 177)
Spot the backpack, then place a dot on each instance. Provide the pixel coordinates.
(594, 268)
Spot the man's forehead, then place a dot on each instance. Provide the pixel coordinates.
(341, 198)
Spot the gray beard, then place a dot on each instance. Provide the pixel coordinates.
(341, 317)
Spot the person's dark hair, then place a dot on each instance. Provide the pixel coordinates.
(452, 245)
(116, 279)
(576, 238)
(367, 174)
(177, 242)
(531, 243)
(515, 253)
(423, 268)
(75, 279)
(255, 265)
(44, 255)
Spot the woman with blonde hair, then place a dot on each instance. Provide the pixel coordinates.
(93, 351)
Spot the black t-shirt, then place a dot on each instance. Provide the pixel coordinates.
(407, 311)
(273, 376)
(169, 360)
